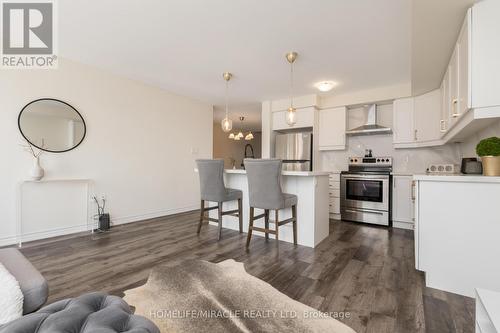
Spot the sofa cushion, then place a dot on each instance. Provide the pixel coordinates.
(32, 283)
(94, 312)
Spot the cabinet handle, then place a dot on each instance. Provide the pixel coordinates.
(415, 135)
(413, 185)
(454, 103)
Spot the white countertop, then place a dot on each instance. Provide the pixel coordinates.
(286, 173)
(402, 173)
(456, 178)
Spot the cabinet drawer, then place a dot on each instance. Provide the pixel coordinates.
(334, 177)
(334, 206)
(334, 193)
(334, 185)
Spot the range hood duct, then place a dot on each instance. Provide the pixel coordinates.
(371, 127)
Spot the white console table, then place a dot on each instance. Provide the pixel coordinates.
(53, 207)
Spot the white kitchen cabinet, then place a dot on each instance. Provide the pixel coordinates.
(402, 201)
(445, 105)
(403, 121)
(464, 68)
(454, 88)
(471, 99)
(334, 195)
(485, 54)
(427, 108)
(332, 128)
(305, 119)
(417, 121)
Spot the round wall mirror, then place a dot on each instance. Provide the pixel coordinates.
(52, 125)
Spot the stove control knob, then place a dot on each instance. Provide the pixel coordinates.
(356, 160)
(352, 160)
(378, 159)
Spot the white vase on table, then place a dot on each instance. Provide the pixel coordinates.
(37, 171)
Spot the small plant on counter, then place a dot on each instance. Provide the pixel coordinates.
(488, 147)
(489, 150)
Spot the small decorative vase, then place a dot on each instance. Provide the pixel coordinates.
(491, 165)
(37, 171)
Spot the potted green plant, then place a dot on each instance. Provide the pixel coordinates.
(489, 151)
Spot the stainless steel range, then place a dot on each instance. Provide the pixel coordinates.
(365, 190)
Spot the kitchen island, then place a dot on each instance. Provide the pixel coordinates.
(311, 188)
(456, 232)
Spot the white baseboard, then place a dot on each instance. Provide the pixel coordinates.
(44, 234)
(403, 225)
(151, 215)
(80, 228)
(335, 216)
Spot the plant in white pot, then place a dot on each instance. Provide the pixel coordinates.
(37, 171)
(489, 151)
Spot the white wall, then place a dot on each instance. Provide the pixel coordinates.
(140, 147)
(228, 149)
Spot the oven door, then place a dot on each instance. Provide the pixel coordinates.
(365, 191)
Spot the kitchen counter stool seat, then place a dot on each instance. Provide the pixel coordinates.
(212, 189)
(264, 188)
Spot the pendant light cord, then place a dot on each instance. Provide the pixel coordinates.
(227, 99)
(291, 84)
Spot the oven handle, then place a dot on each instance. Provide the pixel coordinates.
(370, 177)
(363, 211)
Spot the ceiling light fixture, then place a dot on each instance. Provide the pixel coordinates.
(239, 135)
(291, 113)
(325, 86)
(227, 124)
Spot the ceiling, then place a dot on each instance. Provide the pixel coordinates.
(184, 46)
(436, 25)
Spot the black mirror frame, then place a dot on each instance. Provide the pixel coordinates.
(44, 149)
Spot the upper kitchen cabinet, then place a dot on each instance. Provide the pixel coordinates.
(305, 119)
(403, 122)
(427, 108)
(454, 86)
(332, 128)
(485, 53)
(417, 120)
(471, 84)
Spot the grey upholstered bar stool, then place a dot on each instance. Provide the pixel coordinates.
(264, 191)
(212, 188)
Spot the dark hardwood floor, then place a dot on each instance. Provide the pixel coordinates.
(364, 270)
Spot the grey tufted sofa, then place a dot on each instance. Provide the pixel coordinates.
(94, 312)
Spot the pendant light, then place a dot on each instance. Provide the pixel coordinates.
(249, 136)
(227, 124)
(291, 113)
(240, 133)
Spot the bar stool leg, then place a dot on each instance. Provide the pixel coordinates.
(250, 226)
(220, 220)
(202, 213)
(294, 216)
(240, 215)
(266, 222)
(277, 224)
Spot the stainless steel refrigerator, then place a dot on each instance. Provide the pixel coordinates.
(295, 149)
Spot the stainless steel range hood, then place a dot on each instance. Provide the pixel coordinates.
(371, 127)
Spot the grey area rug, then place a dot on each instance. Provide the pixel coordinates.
(198, 296)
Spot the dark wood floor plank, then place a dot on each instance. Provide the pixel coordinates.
(364, 271)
